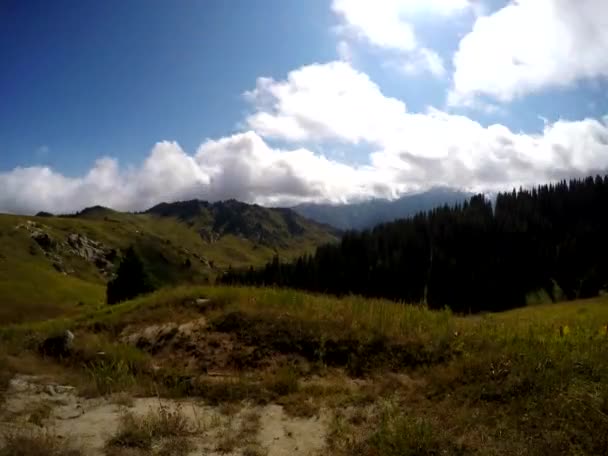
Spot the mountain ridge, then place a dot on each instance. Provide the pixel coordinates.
(366, 214)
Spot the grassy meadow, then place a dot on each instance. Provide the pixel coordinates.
(397, 379)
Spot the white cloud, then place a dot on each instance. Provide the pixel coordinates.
(328, 103)
(334, 102)
(532, 45)
(381, 23)
(389, 25)
(345, 51)
(424, 60)
(241, 166)
(319, 102)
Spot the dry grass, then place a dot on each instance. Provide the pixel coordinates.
(6, 374)
(142, 432)
(37, 443)
(175, 446)
(122, 399)
(284, 381)
(39, 412)
(239, 432)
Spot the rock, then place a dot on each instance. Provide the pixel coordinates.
(70, 412)
(111, 255)
(45, 241)
(54, 389)
(208, 235)
(58, 346)
(92, 251)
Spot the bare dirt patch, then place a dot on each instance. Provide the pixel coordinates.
(91, 423)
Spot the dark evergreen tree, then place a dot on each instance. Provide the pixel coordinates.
(131, 279)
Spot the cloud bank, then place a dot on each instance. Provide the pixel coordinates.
(323, 102)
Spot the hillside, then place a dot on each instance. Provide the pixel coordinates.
(219, 370)
(49, 264)
(358, 216)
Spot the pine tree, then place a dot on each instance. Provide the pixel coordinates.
(131, 279)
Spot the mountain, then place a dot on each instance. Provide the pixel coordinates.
(52, 263)
(367, 214)
(272, 227)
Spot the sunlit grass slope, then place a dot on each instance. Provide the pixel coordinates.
(30, 288)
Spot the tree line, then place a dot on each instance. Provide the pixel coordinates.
(471, 257)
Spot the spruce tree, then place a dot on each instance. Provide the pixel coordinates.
(131, 279)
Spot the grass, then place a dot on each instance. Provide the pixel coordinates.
(36, 443)
(392, 432)
(32, 289)
(39, 413)
(241, 434)
(163, 426)
(532, 380)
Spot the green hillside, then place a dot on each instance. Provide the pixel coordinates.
(385, 378)
(50, 265)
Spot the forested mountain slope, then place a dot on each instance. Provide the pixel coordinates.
(471, 257)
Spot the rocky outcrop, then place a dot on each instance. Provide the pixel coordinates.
(75, 244)
(92, 251)
(200, 258)
(45, 241)
(39, 234)
(209, 236)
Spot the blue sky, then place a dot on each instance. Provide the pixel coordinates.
(89, 78)
(128, 103)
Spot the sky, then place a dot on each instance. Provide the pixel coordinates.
(130, 103)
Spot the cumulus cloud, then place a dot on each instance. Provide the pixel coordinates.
(319, 102)
(335, 102)
(388, 25)
(424, 60)
(241, 166)
(531, 45)
(323, 103)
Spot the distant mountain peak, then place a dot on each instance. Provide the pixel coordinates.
(366, 214)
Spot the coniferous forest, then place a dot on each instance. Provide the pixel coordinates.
(471, 257)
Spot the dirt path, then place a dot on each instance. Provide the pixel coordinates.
(37, 402)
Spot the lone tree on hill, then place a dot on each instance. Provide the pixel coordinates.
(131, 279)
